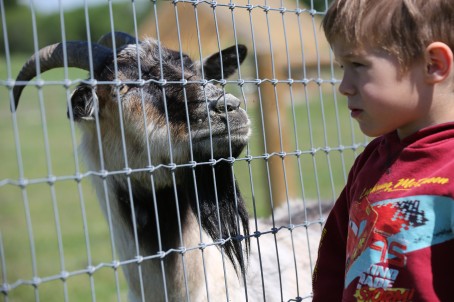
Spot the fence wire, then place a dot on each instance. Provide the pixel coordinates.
(58, 243)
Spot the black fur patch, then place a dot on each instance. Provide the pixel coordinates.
(232, 218)
(145, 215)
(82, 102)
(229, 224)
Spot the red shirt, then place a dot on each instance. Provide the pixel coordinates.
(390, 234)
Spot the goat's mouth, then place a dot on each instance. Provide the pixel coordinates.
(237, 136)
(221, 141)
(219, 127)
(222, 132)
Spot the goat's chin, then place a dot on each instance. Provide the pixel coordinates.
(218, 141)
(220, 146)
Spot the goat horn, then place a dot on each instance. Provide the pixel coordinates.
(121, 39)
(51, 57)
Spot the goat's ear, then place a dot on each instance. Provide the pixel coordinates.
(82, 103)
(228, 59)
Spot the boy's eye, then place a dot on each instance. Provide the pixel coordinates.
(352, 64)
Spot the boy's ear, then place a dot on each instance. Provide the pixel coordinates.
(439, 62)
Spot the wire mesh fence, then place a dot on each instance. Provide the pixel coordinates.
(193, 159)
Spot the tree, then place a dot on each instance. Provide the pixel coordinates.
(11, 3)
(318, 5)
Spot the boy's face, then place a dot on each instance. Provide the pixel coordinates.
(381, 97)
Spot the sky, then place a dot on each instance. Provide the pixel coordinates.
(49, 6)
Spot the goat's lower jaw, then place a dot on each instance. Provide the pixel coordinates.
(219, 146)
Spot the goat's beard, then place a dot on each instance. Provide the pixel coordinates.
(209, 191)
(222, 209)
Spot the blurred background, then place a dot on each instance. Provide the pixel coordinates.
(302, 146)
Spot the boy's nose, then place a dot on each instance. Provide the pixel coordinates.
(346, 88)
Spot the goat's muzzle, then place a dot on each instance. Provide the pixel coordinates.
(225, 131)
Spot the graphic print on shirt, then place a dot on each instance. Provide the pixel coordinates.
(381, 234)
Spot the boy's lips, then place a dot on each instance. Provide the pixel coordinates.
(355, 112)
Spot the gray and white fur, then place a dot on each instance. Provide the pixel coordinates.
(181, 233)
(170, 116)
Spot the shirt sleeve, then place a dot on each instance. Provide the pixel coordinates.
(329, 272)
(328, 278)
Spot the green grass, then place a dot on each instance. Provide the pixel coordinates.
(73, 207)
(68, 204)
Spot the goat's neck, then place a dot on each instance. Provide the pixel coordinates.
(160, 217)
(170, 218)
(205, 196)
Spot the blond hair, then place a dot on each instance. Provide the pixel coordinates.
(403, 28)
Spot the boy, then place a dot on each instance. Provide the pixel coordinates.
(390, 234)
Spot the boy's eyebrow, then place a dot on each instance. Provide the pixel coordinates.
(340, 59)
(349, 55)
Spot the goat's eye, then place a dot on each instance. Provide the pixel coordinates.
(124, 88)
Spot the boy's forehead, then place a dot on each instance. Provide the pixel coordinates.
(342, 49)
(344, 52)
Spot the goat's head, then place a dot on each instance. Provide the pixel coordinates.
(160, 94)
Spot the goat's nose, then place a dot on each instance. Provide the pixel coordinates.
(227, 103)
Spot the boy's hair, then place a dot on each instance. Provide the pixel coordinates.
(403, 28)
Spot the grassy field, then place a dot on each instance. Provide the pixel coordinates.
(47, 228)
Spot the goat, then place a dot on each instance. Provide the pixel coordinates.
(160, 211)
(149, 116)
